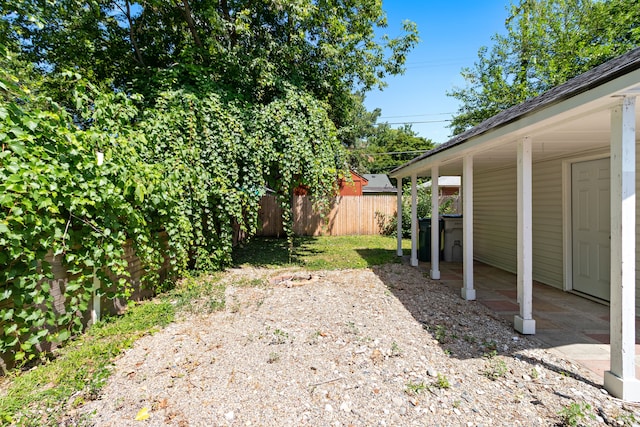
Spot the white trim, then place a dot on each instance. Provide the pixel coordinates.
(468, 291)
(567, 224)
(414, 221)
(524, 322)
(621, 379)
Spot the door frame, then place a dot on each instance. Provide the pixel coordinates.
(567, 223)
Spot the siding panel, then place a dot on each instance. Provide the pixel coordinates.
(495, 222)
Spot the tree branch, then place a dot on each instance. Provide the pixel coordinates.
(127, 14)
(190, 22)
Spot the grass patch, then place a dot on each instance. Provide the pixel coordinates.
(320, 253)
(37, 397)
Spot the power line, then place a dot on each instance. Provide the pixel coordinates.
(411, 123)
(390, 152)
(415, 115)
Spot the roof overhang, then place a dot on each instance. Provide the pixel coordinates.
(568, 118)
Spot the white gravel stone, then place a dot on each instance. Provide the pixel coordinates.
(320, 361)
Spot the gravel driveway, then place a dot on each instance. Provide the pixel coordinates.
(372, 347)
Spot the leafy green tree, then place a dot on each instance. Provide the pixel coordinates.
(389, 148)
(546, 43)
(325, 47)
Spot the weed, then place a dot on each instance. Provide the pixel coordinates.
(415, 388)
(273, 357)
(279, 337)
(490, 345)
(441, 334)
(469, 338)
(495, 367)
(313, 337)
(626, 419)
(457, 403)
(351, 328)
(534, 373)
(442, 382)
(575, 413)
(395, 350)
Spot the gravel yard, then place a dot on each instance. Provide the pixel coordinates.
(367, 347)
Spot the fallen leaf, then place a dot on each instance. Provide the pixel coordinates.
(143, 414)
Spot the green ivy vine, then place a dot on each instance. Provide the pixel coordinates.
(191, 165)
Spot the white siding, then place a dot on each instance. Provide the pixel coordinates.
(495, 218)
(495, 234)
(547, 223)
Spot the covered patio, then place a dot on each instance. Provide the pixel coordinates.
(566, 323)
(549, 195)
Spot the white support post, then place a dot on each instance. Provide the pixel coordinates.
(435, 224)
(621, 379)
(524, 322)
(468, 291)
(399, 215)
(414, 220)
(95, 295)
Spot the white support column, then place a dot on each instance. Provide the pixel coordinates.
(468, 292)
(414, 220)
(399, 215)
(435, 224)
(95, 292)
(621, 380)
(524, 322)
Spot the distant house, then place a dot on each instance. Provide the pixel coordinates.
(353, 187)
(447, 185)
(378, 184)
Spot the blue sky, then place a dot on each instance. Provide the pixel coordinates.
(451, 32)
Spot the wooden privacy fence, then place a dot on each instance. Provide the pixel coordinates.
(349, 215)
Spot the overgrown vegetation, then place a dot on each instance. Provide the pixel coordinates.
(196, 110)
(389, 223)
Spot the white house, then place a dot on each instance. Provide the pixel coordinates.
(549, 193)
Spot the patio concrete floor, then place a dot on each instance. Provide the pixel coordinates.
(570, 324)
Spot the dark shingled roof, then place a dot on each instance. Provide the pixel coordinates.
(595, 77)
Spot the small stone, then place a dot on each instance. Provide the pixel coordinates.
(402, 411)
(481, 392)
(526, 377)
(376, 356)
(432, 372)
(328, 408)
(398, 401)
(229, 416)
(345, 407)
(457, 411)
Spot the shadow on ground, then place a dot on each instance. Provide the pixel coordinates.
(468, 329)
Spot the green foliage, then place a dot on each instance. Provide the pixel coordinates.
(575, 413)
(33, 397)
(196, 110)
(389, 224)
(55, 199)
(546, 43)
(495, 367)
(390, 148)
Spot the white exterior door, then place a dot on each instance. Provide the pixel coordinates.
(591, 227)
